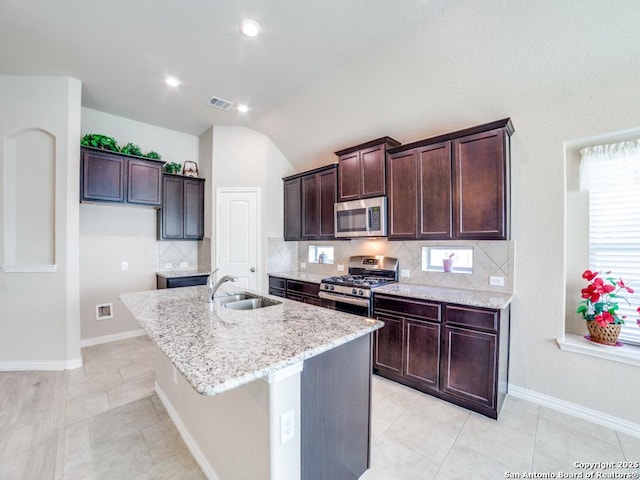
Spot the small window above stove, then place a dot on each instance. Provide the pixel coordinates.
(447, 259)
(320, 254)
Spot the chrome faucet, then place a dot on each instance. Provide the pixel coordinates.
(213, 288)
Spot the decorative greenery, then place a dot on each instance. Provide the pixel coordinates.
(154, 155)
(131, 149)
(172, 167)
(96, 140)
(601, 296)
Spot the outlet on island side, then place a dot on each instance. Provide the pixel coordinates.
(287, 426)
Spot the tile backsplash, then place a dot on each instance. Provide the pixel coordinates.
(177, 253)
(490, 258)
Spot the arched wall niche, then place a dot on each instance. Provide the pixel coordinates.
(28, 198)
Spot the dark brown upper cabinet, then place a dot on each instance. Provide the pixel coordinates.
(292, 208)
(116, 178)
(454, 186)
(308, 204)
(182, 214)
(362, 169)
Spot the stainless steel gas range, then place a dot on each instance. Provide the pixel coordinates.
(352, 293)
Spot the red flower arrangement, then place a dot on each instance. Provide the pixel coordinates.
(600, 299)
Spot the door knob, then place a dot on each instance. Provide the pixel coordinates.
(253, 269)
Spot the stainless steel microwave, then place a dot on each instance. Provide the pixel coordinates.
(361, 218)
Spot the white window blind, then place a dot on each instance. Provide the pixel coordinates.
(614, 225)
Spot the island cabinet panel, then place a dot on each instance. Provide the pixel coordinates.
(455, 352)
(454, 186)
(362, 169)
(117, 178)
(308, 204)
(181, 216)
(481, 192)
(335, 412)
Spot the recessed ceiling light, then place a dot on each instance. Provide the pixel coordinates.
(250, 28)
(243, 108)
(172, 81)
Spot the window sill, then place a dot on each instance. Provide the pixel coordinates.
(629, 354)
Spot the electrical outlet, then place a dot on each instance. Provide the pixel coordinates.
(125, 266)
(496, 281)
(168, 266)
(184, 264)
(287, 426)
(341, 268)
(303, 265)
(405, 273)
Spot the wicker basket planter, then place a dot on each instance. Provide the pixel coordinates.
(605, 335)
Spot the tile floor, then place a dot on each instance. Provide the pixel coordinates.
(105, 422)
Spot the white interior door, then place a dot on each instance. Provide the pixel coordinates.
(237, 234)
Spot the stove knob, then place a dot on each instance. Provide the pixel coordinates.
(361, 293)
(354, 291)
(332, 287)
(326, 287)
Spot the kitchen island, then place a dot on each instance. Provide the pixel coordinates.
(280, 392)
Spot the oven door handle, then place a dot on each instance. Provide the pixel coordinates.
(361, 302)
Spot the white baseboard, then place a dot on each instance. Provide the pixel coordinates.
(89, 342)
(579, 411)
(34, 365)
(191, 444)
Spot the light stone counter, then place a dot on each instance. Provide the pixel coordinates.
(180, 273)
(218, 349)
(472, 298)
(302, 276)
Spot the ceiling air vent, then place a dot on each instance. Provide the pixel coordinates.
(220, 103)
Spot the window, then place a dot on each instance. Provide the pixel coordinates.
(434, 259)
(611, 175)
(320, 254)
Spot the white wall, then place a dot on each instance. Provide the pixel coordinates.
(537, 63)
(112, 234)
(39, 313)
(245, 158)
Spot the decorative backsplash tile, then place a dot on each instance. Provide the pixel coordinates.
(177, 253)
(491, 258)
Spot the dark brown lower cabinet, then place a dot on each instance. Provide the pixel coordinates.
(305, 292)
(336, 412)
(455, 352)
(407, 348)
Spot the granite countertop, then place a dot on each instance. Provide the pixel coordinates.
(218, 349)
(302, 276)
(472, 298)
(180, 273)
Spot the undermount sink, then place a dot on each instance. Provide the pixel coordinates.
(244, 301)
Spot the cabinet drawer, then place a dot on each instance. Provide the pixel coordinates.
(406, 306)
(303, 287)
(472, 317)
(276, 292)
(276, 282)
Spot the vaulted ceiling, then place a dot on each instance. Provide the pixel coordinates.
(323, 75)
